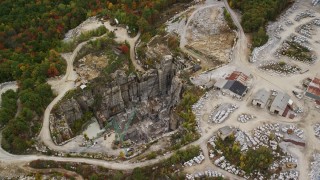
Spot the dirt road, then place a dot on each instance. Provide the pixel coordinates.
(7, 86)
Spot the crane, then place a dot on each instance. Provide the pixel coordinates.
(120, 133)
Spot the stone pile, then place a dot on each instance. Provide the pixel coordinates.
(289, 159)
(207, 173)
(212, 140)
(316, 22)
(222, 113)
(303, 15)
(288, 22)
(316, 129)
(299, 39)
(196, 160)
(291, 174)
(245, 118)
(275, 68)
(315, 2)
(224, 164)
(241, 137)
(315, 167)
(298, 110)
(286, 46)
(305, 30)
(294, 129)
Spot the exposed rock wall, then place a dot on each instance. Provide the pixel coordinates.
(124, 92)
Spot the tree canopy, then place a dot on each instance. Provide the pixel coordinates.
(256, 14)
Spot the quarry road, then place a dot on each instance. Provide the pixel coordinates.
(6, 157)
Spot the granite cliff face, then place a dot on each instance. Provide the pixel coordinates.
(151, 96)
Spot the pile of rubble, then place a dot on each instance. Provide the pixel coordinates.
(196, 160)
(316, 128)
(303, 15)
(222, 113)
(207, 173)
(315, 167)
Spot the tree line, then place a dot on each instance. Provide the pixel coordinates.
(256, 15)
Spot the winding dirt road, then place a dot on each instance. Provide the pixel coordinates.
(240, 59)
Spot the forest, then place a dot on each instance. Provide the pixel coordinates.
(31, 34)
(256, 14)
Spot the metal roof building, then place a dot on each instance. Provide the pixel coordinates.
(236, 87)
(261, 98)
(280, 103)
(313, 90)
